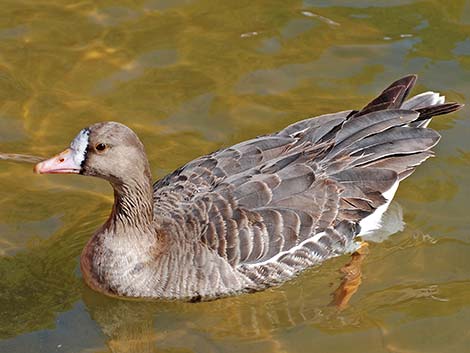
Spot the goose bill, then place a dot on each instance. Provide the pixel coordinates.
(63, 163)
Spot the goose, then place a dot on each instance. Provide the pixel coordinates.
(253, 215)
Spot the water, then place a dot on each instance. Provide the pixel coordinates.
(190, 77)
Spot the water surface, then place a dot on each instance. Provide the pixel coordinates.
(191, 77)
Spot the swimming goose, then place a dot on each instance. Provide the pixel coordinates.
(253, 215)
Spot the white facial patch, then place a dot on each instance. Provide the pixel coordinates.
(79, 146)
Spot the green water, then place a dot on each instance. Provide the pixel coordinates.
(190, 77)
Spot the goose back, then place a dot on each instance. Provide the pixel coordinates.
(277, 204)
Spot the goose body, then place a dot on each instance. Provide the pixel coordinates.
(252, 215)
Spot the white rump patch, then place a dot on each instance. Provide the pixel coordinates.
(79, 146)
(374, 221)
(391, 223)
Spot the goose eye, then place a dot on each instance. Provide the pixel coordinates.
(100, 147)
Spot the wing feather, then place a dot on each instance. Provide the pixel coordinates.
(273, 205)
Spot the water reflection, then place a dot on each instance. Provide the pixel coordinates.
(206, 327)
(41, 281)
(256, 321)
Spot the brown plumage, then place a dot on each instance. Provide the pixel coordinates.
(252, 215)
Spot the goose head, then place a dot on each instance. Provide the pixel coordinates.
(107, 150)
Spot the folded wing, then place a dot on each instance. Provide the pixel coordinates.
(276, 204)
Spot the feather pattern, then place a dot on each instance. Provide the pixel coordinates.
(255, 214)
(275, 205)
(283, 202)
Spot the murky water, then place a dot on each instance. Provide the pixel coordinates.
(193, 76)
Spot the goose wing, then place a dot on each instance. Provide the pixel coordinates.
(277, 204)
(204, 174)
